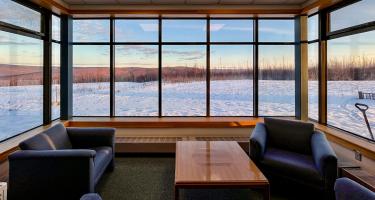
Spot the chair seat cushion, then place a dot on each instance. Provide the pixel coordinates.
(102, 158)
(297, 166)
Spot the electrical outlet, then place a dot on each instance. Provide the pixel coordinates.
(357, 155)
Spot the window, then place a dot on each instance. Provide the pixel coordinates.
(276, 80)
(231, 80)
(276, 30)
(137, 76)
(55, 28)
(231, 30)
(21, 84)
(184, 80)
(351, 80)
(91, 80)
(136, 30)
(55, 81)
(313, 27)
(16, 14)
(184, 30)
(87, 30)
(355, 14)
(313, 84)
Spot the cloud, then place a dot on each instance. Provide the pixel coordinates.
(277, 31)
(149, 27)
(218, 27)
(185, 55)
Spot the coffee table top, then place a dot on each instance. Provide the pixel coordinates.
(215, 163)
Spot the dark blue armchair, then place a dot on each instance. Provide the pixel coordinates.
(294, 151)
(61, 163)
(346, 189)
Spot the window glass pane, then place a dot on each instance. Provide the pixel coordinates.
(313, 83)
(21, 84)
(16, 14)
(91, 30)
(276, 30)
(231, 30)
(352, 15)
(136, 30)
(55, 81)
(231, 80)
(184, 30)
(313, 27)
(276, 80)
(136, 87)
(184, 80)
(91, 80)
(351, 71)
(55, 28)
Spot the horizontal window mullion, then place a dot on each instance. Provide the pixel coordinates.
(91, 43)
(20, 31)
(183, 43)
(135, 43)
(232, 43)
(277, 43)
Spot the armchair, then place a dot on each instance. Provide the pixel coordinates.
(60, 163)
(294, 151)
(346, 189)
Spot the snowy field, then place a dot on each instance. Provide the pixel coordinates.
(21, 107)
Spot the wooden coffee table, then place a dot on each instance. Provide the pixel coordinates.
(216, 164)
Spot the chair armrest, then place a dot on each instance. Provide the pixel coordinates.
(324, 158)
(83, 138)
(35, 174)
(258, 141)
(346, 189)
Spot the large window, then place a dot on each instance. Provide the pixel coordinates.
(313, 67)
(91, 80)
(358, 13)
(276, 80)
(184, 80)
(21, 84)
(276, 30)
(351, 80)
(16, 14)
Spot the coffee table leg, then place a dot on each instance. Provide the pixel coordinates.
(266, 192)
(176, 194)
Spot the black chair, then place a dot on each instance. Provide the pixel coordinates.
(91, 196)
(346, 189)
(293, 151)
(61, 163)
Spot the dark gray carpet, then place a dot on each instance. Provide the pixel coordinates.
(152, 178)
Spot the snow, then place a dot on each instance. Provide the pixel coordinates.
(21, 106)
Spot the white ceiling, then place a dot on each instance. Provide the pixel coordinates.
(186, 2)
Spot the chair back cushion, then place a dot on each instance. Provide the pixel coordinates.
(59, 136)
(289, 135)
(38, 142)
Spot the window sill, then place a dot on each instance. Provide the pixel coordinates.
(166, 122)
(348, 141)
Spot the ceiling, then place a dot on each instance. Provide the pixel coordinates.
(187, 2)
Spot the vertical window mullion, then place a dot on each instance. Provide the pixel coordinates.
(255, 68)
(112, 69)
(47, 67)
(160, 66)
(208, 70)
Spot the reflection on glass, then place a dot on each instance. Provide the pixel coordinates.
(55, 81)
(88, 30)
(313, 27)
(91, 80)
(231, 80)
(351, 71)
(276, 80)
(276, 30)
(16, 14)
(184, 80)
(55, 28)
(21, 84)
(136, 30)
(231, 30)
(352, 15)
(136, 76)
(184, 30)
(313, 91)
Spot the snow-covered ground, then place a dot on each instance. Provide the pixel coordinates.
(21, 106)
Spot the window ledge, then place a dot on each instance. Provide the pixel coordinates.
(348, 141)
(166, 122)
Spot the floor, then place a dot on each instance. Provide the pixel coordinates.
(152, 178)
